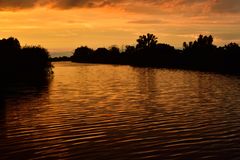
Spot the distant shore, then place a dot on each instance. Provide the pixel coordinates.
(201, 55)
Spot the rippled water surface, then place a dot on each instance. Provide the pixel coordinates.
(121, 112)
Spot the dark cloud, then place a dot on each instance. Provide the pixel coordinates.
(63, 4)
(219, 6)
(226, 6)
(16, 4)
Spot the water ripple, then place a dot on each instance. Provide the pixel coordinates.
(120, 112)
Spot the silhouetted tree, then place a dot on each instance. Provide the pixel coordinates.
(203, 43)
(165, 48)
(185, 45)
(114, 50)
(9, 49)
(146, 41)
(232, 56)
(82, 53)
(232, 48)
(10, 46)
(200, 54)
(130, 49)
(101, 52)
(114, 55)
(23, 62)
(37, 57)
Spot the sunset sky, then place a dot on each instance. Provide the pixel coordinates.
(63, 25)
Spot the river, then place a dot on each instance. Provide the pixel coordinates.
(93, 111)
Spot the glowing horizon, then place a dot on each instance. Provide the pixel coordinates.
(64, 25)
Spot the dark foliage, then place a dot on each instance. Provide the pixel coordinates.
(24, 63)
(146, 41)
(58, 59)
(201, 54)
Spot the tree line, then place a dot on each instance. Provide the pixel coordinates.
(27, 61)
(200, 54)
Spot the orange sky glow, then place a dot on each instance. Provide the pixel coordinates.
(63, 25)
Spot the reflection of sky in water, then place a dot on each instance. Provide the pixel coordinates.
(120, 112)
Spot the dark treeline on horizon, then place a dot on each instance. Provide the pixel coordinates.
(22, 62)
(201, 54)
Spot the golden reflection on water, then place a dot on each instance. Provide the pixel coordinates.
(121, 112)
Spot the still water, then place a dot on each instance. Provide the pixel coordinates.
(106, 112)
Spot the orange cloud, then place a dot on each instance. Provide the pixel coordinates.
(65, 24)
(217, 5)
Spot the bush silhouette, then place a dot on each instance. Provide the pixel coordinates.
(17, 62)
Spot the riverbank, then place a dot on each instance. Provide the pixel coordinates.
(201, 55)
